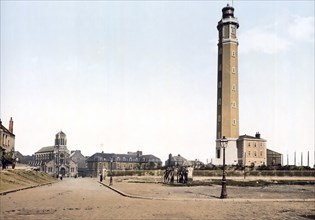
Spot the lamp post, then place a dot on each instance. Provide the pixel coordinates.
(111, 172)
(223, 143)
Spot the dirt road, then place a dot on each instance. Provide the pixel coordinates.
(85, 198)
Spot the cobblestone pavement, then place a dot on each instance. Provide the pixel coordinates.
(85, 198)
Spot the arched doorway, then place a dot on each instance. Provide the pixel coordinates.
(62, 171)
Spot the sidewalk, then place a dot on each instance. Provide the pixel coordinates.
(158, 191)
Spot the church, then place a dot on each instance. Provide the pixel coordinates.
(56, 160)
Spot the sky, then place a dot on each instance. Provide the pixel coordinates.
(120, 76)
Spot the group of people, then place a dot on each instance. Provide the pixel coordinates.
(181, 174)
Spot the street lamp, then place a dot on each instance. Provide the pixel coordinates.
(223, 143)
(111, 172)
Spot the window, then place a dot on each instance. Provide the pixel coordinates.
(219, 84)
(233, 104)
(130, 159)
(50, 169)
(233, 32)
(219, 118)
(220, 50)
(261, 153)
(248, 153)
(218, 153)
(233, 87)
(233, 53)
(219, 101)
(72, 170)
(220, 67)
(234, 122)
(255, 154)
(233, 70)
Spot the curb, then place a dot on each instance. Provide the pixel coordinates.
(20, 189)
(204, 199)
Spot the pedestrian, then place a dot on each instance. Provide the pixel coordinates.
(101, 177)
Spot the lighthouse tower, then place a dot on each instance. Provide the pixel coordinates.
(227, 86)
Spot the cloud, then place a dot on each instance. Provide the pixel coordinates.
(278, 36)
(302, 28)
(263, 39)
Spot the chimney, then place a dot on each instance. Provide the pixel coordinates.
(257, 135)
(169, 160)
(11, 125)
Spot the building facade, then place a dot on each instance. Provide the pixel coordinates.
(7, 145)
(273, 158)
(104, 162)
(252, 150)
(55, 160)
(177, 161)
(227, 86)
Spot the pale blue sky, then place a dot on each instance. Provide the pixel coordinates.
(126, 76)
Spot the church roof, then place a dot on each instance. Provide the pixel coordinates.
(60, 134)
(46, 149)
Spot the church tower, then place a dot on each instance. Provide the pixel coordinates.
(227, 85)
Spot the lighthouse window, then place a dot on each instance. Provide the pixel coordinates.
(233, 32)
(233, 87)
(233, 70)
(234, 122)
(233, 104)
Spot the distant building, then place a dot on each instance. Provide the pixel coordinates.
(99, 162)
(55, 160)
(21, 159)
(80, 160)
(177, 161)
(273, 158)
(7, 143)
(251, 150)
(197, 164)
